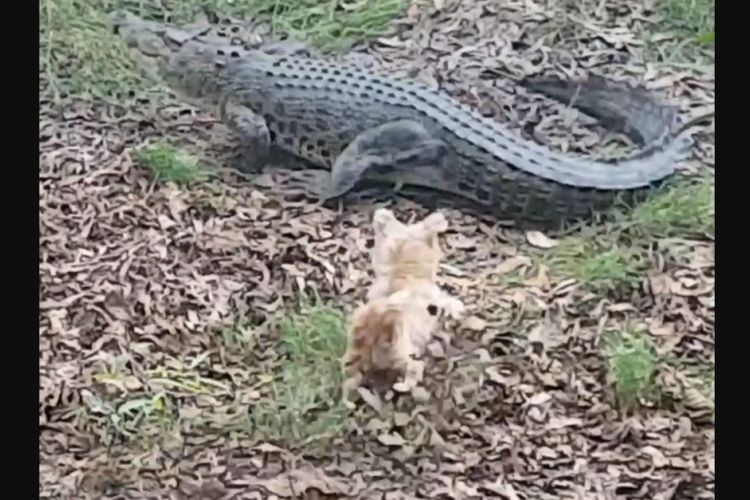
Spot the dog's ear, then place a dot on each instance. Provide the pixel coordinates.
(435, 223)
(382, 216)
(381, 219)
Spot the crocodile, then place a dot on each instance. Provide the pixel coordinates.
(359, 124)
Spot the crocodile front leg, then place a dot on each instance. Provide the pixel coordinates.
(252, 131)
(383, 150)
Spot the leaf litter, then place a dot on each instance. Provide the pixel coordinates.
(139, 393)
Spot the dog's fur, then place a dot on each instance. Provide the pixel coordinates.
(405, 304)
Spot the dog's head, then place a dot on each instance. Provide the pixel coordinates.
(414, 245)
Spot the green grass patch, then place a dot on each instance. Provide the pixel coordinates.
(145, 419)
(330, 24)
(632, 364)
(694, 17)
(613, 255)
(79, 54)
(684, 209)
(685, 34)
(304, 403)
(510, 280)
(238, 337)
(596, 262)
(142, 406)
(170, 164)
(129, 409)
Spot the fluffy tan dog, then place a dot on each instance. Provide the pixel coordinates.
(405, 304)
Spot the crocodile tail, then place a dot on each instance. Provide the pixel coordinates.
(656, 127)
(633, 111)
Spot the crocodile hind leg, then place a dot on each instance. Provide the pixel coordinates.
(384, 151)
(253, 133)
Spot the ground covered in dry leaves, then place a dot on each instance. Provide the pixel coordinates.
(159, 303)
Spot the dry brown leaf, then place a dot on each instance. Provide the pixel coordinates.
(541, 280)
(547, 335)
(474, 323)
(400, 419)
(512, 264)
(391, 439)
(540, 240)
(371, 399)
(420, 394)
(505, 380)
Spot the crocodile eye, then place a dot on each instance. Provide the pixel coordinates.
(151, 45)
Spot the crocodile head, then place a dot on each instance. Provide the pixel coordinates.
(146, 41)
(175, 56)
(188, 60)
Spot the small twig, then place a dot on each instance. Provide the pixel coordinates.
(694, 120)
